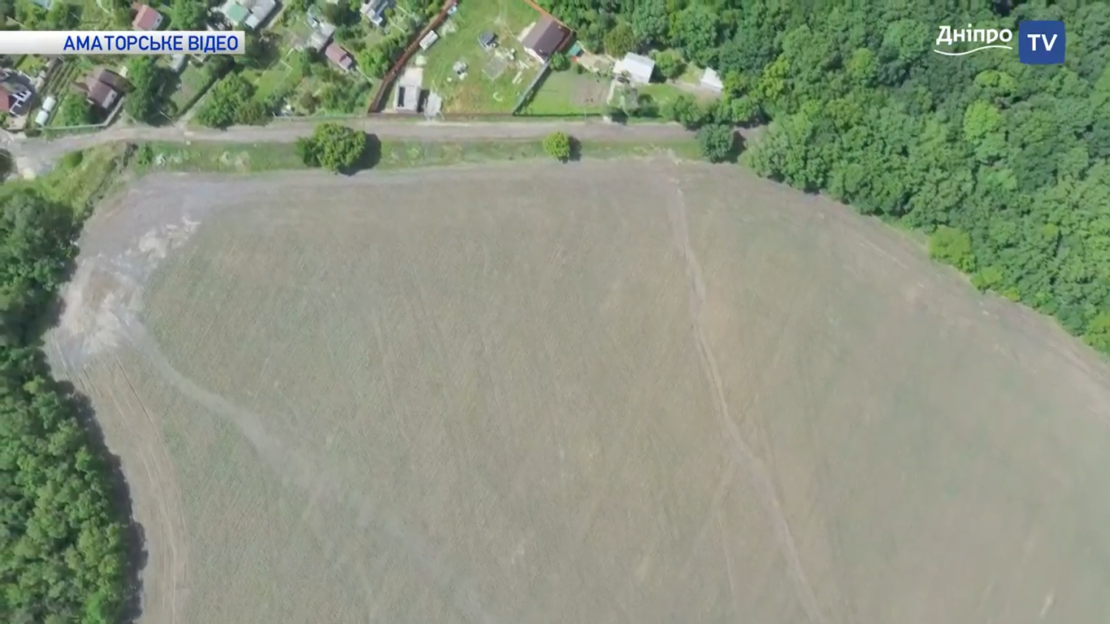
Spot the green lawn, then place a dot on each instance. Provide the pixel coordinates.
(217, 157)
(65, 101)
(30, 64)
(278, 78)
(478, 92)
(568, 93)
(661, 94)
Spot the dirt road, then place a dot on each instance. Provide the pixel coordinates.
(39, 154)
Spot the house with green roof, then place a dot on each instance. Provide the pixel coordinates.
(235, 13)
(248, 14)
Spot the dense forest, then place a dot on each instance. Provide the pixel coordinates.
(1004, 165)
(61, 542)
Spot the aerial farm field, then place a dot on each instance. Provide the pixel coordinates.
(600, 392)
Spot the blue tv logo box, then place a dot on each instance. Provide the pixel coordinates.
(1041, 42)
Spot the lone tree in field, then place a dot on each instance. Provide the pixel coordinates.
(333, 146)
(557, 146)
(716, 142)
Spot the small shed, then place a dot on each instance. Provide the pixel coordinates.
(487, 40)
(42, 117)
(428, 39)
(638, 68)
(49, 103)
(712, 80)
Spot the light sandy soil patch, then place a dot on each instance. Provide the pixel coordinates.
(622, 392)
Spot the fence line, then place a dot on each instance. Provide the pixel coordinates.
(530, 90)
(387, 81)
(115, 112)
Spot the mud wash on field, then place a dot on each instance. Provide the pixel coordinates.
(623, 392)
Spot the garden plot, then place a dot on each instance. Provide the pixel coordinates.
(495, 77)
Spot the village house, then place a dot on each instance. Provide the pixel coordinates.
(321, 34)
(14, 98)
(102, 88)
(545, 38)
(638, 69)
(336, 54)
(374, 10)
(146, 18)
(248, 14)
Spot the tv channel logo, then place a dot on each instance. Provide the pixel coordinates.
(1041, 42)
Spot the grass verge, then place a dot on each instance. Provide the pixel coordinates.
(80, 179)
(262, 157)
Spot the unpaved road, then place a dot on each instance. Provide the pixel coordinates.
(38, 154)
(677, 394)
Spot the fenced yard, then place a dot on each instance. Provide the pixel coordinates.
(191, 83)
(494, 79)
(569, 93)
(313, 86)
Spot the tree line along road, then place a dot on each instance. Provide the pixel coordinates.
(35, 153)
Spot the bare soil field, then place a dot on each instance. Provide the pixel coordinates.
(606, 392)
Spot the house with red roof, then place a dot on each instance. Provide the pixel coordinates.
(146, 17)
(336, 54)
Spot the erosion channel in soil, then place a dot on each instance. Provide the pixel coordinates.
(615, 392)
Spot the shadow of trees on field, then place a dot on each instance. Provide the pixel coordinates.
(370, 157)
(575, 150)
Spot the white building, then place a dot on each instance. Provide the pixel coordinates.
(428, 40)
(637, 68)
(712, 80)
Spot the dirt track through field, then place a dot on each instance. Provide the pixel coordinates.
(677, 394)
(743, 454)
